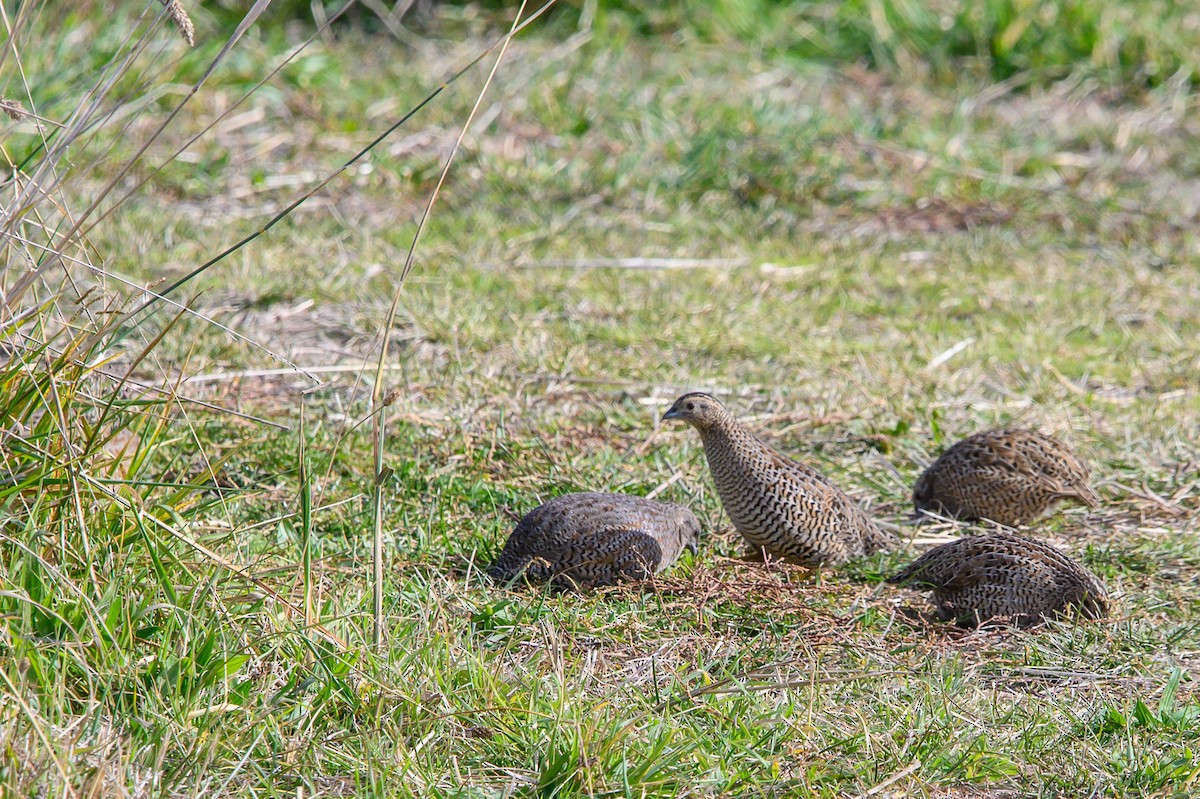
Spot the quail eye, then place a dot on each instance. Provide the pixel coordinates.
(691, 406)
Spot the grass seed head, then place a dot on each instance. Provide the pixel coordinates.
(179, 16)
(12, 108)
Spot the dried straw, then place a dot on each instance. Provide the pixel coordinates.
(182, 21)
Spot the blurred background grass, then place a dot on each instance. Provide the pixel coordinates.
(1140, 42)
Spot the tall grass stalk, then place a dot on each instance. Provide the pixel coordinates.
(306, 525)
(379, 399)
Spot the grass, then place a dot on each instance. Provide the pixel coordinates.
(897, 254)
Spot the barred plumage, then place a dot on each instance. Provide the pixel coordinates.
(1000, 574)
(782, 508)
(1008, 476)
(588, 540)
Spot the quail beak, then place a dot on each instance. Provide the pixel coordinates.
(693, 546)
(671, 414)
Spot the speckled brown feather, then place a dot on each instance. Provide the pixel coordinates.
(782, 507)
(588, 540)
(1008, 476)
(999, 574)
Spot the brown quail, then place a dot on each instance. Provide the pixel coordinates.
(1008, 476)
(782, 508)
(1000, 574)
(588, 540)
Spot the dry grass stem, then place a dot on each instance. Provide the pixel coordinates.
(638, 263)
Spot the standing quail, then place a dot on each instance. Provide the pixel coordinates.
(1008, 476)
(980, 577)
(588, 540)
(782, 508)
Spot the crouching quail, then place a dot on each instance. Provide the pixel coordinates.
(1000, 574)
(1008, 476)
(589, 540)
